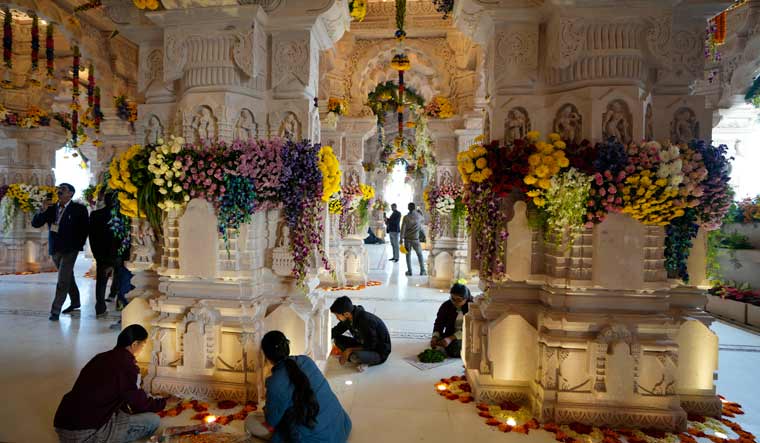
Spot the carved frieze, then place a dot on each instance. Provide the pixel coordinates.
(291, 58)
(175, 54)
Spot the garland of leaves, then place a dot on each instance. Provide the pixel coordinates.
(7, 38)
(384, 99)
(35, 42)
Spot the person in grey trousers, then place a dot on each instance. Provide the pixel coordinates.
(392, 224)
(67, 232)
(411, 226)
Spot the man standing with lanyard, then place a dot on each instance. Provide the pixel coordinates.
(67, 232)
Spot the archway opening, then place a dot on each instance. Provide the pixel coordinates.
(398, 187)
(73, 168)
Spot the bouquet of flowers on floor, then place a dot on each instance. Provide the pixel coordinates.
(25, 198)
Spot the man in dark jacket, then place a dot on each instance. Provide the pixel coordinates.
(67, 232)
(105, 250)
(370, 342)
(393, 226)
(106, 403)
(447, 330)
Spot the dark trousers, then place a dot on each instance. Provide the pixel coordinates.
(417, 247)
(371, 358)
(104, 269)
(454, 349)
(64, 261)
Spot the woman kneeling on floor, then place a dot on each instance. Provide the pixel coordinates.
(106, 403)
(300, 406)
(447, 330)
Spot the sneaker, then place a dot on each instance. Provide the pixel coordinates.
(70, 309)
(408, 274)
(53, 317)
(361, 367)
(391, 259)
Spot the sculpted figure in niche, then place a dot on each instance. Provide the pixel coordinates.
(684, 127)
(649, 130)
(203, 124)
(568, 123)
(616, 122)
(154, 131)
(143, 251)
(283, 239)
(518, 124)
(246, 127)
(290, 127)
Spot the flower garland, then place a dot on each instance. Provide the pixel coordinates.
(50, 57)
(335, 205)
(35, 42)
(331, 173)
(301, 191)
(7, 46)
(439, 107)
(261, 161)
(75, 95)
(484, 218)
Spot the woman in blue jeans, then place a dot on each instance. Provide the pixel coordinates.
(300, 406)
(106, 404)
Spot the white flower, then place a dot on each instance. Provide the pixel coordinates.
(179, 141)
(169, 174)
(169, 184)
(176, 148)
(163, 191)
(177, 188)
(187, 198)
(158, 181)
(177, 164)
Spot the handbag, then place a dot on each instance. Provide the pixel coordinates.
(403, 250)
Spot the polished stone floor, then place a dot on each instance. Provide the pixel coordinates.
(392, 402)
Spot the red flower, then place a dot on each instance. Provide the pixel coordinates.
(227, 404)
(510, 406)
(581, 428)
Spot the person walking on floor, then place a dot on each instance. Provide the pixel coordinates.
(67, 233)
(106, 403)
(393, 227)
(105, 250)
(370, 342)
(411, 227)
(300, 405)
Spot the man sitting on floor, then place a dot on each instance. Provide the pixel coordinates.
(369, 344)
(447, 330)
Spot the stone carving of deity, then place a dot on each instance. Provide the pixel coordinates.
(684, 126)
(154, 131)
(568, 123)
(517, 125)
(649, 129)
(290, 127)
(283, 240)
(616, 122)
(143, 248)
(246, 127)
(203, 124)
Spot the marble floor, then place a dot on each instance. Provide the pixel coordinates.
(391, 402)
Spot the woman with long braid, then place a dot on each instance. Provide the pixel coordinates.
(300, 406)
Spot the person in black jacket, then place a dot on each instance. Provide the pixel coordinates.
(447, 330)
(67, 232)
(393, 226)
(370, 342)
(105, 250)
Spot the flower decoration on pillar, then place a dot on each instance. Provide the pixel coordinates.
(90, 85)
(7, 47)
(97, 116)
(357, 9)
(445, 7)
(50, 58)
(331, 173)
(126, 110)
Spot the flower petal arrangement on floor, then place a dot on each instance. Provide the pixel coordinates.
(512, 417)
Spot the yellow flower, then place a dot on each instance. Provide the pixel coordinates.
(661, 182)
(559, 144)
(529, 180)
(487, 172)
(533, 135)
(538, 201)
(542, 171)
(544, 183)
(481, 163)
(469, 167)
(480, 138)
(476, 177)
(563, 162)
(534, 160)
(554, 137)
(533, 193)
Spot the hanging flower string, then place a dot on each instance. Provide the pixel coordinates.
(90, 85)
(75, 95)
(35, 42)
(7, 46)
(50, 57)
(97, 116)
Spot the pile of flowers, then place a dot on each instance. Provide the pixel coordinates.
(545, 162)
(34, 118)
(119, 179)
(147, 4)
(473, 164)
(25, 198)
(439, 107)
(566, 200)
(168, 172)
(261, 162)
(337, 106)
(353, 198)
(717, 195)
